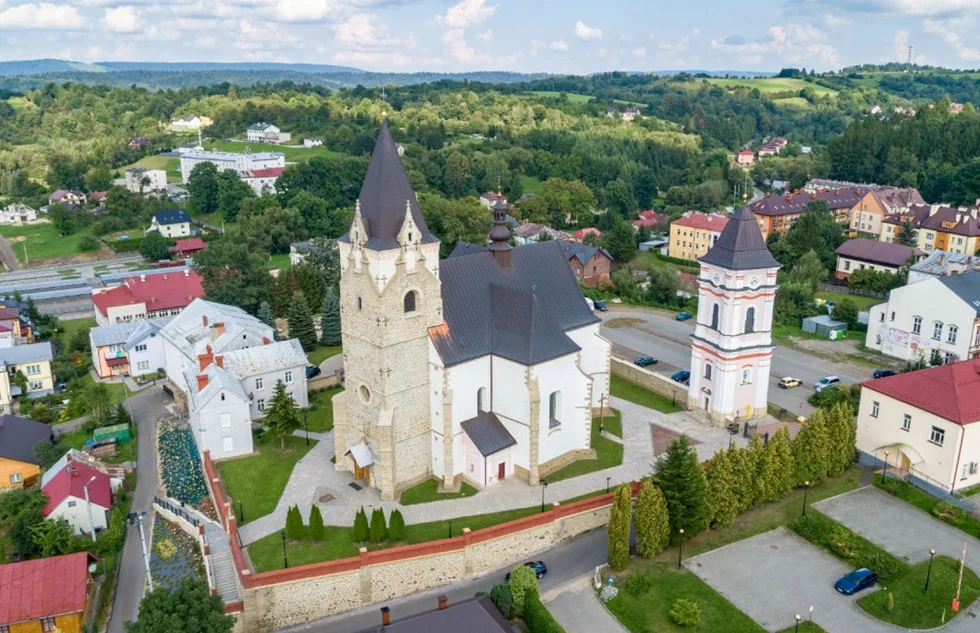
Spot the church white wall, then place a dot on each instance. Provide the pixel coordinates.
(574, 409)
(521, 452)
(473, 461)
(510, 396)
(466, 379)
(594, 359)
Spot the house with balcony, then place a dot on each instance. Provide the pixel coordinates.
(127, 349)
(19, 468)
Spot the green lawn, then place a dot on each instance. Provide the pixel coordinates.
(771, 84)
(608, 454)
(622, 388)
(319, 417)
(279, 260)
(428, 491)
(322, 353)
(792, 102)
(67, 329)
(863, 303)
(531, 184)
(646, 611)
(554, 94)
(43, 241)
(169, 164)
(611, 423)
(117, 390)
(293, 154)
(914, 609)
(258, 480)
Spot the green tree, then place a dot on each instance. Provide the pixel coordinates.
(396, 525)
(765, 471)
(560, 203)
(265, 314)
(378, 529)
(121, 415)
(455, 221)
(233, 275)
(842, 433)
(794, 302)
(523, 582)
(811, 450)
(316, 523)
(99, 404)
(190, 608)
(723, 501)
(815, 230)
(63, 218)
(618, 530)
(620, 241)
(664, 284)
(232, 190)
(270, 229)
(330, 319)
(281, 418)
(21, 532)
(18, 501)
(53, 538)
(202, 186)
(457, 174)
(47, 454)
(301, 323)
(681, 478)
(809, 270)
(907, 235)
(89, 243)
(743, 477)
(651, 520)
(154, 247)
(361, 530)
(98, 179)
(784, 466)
(294, 524)
(503, 600)
(846, 310)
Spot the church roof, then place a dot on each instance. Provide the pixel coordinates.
(488, 433)
(740, 245)
(520, 312)
(384, 194)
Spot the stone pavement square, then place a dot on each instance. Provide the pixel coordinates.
(776, 575)
(662, 437)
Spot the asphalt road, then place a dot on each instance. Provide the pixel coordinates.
(565, 563)
(668, 340)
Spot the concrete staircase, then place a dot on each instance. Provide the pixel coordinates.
(222, 566)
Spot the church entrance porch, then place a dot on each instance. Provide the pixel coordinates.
(363, 458)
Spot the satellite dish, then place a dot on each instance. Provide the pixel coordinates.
(92, 568)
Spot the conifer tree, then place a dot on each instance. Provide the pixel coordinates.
(651, 520)
(316, 523)
(360, 526)
(811, 450)
(842, 434)
(330, 319)
(378, 529)
(743, 478)
(681, 478)
(281, 418)
(396, 525)
(618, 530)
(301, 323)
(294, 523)
(765, 472)
(723, 500)
(783, 464)
(265, 314)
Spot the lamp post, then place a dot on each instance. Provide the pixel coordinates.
(241, 511)
(673, 397)
(305, 427)
(602, 411)
(798, 618)
(544, 486)
(607, 484)
(932, 553)
(450, 528)
(88, 504)
(680, 548)
(885, 473)
(285, 561)
(806, 487)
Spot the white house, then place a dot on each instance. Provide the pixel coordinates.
(262, 181)
(144, 180)
(127, 348)
(190, 123)
(266, 133)
(231, 161)
(936, 315)
(223, 364)
(310, 143)
(924, 423)
(17, 213)
(172, 224)
(79, 494)
(484, 366)
(144, 346)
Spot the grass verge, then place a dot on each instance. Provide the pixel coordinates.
(848, 546)
(428, 491)
(319, 417)
(612, 422)
(622, 388)
(322, 353)
(608, 454)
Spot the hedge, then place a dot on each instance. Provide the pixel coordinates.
(124, 246)
(945, 512)
(847, 545)
(537, 617)
(686, 263)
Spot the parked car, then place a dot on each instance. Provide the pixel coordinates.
(856, 581)
(312, 371)
(883, 373)
(645, 361)
(683, 376)
(537, 566)
(600, 305)
(789, 383)
(684, 316)
(826, 381)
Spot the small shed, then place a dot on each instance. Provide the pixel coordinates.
(118, 432)
(824, 325)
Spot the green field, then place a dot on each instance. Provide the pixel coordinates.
(67, 329)
(572, 97)
(293, 154)
(792, 102)
(18, 103)
(770, 84)
(863, 303)
(42, 241)
(279, 261)
(531, 184)
(167, 163)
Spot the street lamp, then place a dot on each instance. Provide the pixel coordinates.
(673, 397)
(798, 618)
(932, 553)
(680, 548)
(607, 484)
(285, 561)
(305, 427)
(806, 487)
(241, 512)
(544, 486)
(885, 473)
(450, 528)
(88, 503)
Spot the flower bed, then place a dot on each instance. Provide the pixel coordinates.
(174, 555)
(180, 466)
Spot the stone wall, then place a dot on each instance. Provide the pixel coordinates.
(323, 381)
(649, 380)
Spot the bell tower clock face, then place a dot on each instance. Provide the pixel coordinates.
(754, 281)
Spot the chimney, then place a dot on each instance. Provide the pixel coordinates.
(219, 327)
(204, 319)
(205, 359)
(443, 603)
(385, 616)
(220, 361)
(202, 382)
(265, 340)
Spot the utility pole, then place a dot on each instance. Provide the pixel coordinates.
(26, 262)
(146, 558)
(910, 57)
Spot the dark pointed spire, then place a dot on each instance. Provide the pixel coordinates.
(740, 245)
(500, 235)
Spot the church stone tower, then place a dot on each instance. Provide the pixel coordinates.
(731, 349)
(390, 296)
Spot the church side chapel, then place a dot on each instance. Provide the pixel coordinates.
(485, 366)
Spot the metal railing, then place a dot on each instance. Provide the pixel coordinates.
(176, 510)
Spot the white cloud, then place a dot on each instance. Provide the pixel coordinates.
(921, 8)
(952, 31)
(455, 40)
(695, 31)
(639, 52)
(304, 10)
(586, 32)
(794, 43)
(603, 52)
(900, 45)
(43, 15)
(124, 19)
(485, 36)
(835, 21)
(466, 14)
(559, 45)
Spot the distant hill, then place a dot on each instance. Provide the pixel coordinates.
(243, 67)
(38, 66)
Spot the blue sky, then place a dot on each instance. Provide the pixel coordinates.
(573, 36)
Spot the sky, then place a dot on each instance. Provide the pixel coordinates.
(559, 36)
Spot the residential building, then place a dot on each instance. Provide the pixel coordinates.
(190, 123)
(188, 148)
(474, 615)
(693, 235)
(650, 220)
(189, 247)
(310, 143)
(934, 316)
(19, 468)
(530, 233)
(923, 423)
(46, 594)
(816, 185)
(745, 158)
(630, 114)
(262, 181)
(590, 264)
(492, 197)
(144, 347)
(490, 363)
(299, 250)
(97, 198)
(144, 180)
(773, 147)
(731, 349)
(266, 133)
(879, 203)
(941, 264)
(145, 297)
(861, 254)
(78, 494)
(955, 108)
(875, 109)
(173, 223)
(222, 366)
(34, 362)
(231, 161)
(581, 234)
(15, 320)
(776, 214)
(938, 227)
(67, 197)
(140, 143)
(17, 213)
(114, 348)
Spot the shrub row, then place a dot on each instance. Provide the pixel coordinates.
(945, 512)
(537, 617)
(124, 246)
(847, 545)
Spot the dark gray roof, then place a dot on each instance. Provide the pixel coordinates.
(488, 433)
(476, 615)
(465, 248)
(876, 251)
(966, 286)
(383, 196)
(19, 435)
(520, 312)
(740, 245)
(174, 216)
(581, 251)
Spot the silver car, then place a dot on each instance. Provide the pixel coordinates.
(826, 381)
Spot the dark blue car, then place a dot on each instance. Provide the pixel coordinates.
(856, 581)
(883, 373)
(537, 566)
(600, 305)
(312, 371)
(644, 361)
(683, 376)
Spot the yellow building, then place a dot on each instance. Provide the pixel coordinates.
(19, 467)
(691, 237)
(42, 595)
(938, 228)
(34, 362)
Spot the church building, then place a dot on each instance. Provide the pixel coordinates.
(731, 348)
(484, 366)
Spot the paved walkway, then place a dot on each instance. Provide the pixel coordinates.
(314, 477)
(578, 609)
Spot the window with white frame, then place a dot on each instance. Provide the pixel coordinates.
(143, 364)
(259, 384)
(47, 624)
(35, 385)
(33, 370)
(874, 409)
(289, 377)
(906, 422)
(71, 504)
(916, 325)
(937, 435)
(951, 334)
(260, 404)
(16, 478)
(140, 348)
(937, 330)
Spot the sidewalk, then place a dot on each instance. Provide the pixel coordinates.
(579, 610)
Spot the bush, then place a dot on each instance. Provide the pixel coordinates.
(88, 243)
(396, 525)
(378, 529)
(847, 545)
(125, 246)
(316, 523)
(637, 584)
(504, 601)
(294, 523)
(360, 526)
(165, 549)
(685, 613)
(537, 617)
(523, 582)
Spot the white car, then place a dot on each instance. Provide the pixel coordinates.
(827, 381)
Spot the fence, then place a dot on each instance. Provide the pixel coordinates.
(177, 510)
(847, 290)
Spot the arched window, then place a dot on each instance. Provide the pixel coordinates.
(707, 371)
(481, 399)
(750, 320)
(715, 312)
(747, 375)
(410, 301)
(554, 404)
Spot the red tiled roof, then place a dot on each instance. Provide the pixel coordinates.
(4, 328)
(950, 391)
(97, 195)
(272, 172)
(71, 483)
(581, 233)
(158, 292)
(703, 221)
(746, 152)
(44, 587)
(9, 313)
(649, 218)
(193, 244)
(876, 252)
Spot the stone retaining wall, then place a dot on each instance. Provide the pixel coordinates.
(649, 380)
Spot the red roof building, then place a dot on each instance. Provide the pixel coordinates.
(580, 234)
(189, 247)
(65, 490)
(54, 591)
(649, 219)
(148, 297)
